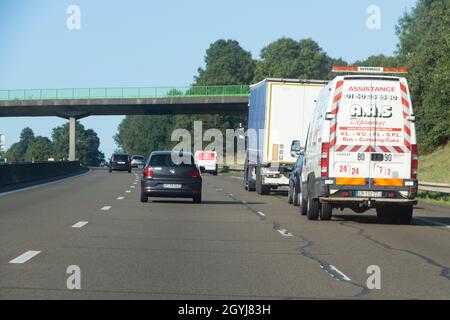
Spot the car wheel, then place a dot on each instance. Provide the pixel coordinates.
(290, 200)
(110, 170)
(326, 212)
(303, 203)
(295, 197)
(197, 198)
(386, 214)
(312, 211)
(144, 197)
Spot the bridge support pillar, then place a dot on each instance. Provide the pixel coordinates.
(72, 155)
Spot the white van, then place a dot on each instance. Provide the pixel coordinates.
(207, 160)
(361, 149)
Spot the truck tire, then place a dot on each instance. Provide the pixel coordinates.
(312, 211)
(144, 197)
(260, 188)
(290, 200)
(326, 212)
(303, 204)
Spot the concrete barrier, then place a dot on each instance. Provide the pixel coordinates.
(15, 174)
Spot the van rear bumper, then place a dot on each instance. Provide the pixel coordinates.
(358, 200)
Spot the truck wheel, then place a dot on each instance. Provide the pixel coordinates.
(290, 200)
(303, 203)
(405, 214)
(312, 211)
(326, 212)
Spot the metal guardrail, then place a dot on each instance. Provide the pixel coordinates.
(124, 93)
(436, 187)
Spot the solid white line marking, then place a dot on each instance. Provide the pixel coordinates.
(80, 224)
(432, 222)
(261, 214)
(285, 233)
(25, 257)
(132, 187)
(105, 208)
(341, 273)
(128, 191)
(120, 198)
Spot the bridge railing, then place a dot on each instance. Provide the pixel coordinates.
(124, 93)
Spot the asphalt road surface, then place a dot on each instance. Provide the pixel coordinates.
(235, 245)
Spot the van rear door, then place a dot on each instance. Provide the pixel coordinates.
(370, 133)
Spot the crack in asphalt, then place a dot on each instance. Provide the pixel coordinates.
(303, 250)
(445, 271)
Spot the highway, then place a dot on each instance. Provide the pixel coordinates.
(235, 245)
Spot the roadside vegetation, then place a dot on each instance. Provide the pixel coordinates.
(435, 166)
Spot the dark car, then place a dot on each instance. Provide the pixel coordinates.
(172, 175)
(294, 182)
(120, 162)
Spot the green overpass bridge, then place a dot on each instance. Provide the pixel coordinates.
(77, 103)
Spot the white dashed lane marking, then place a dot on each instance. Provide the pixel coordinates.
(80, 224)
(261, 214)
(120, 198)
(344, 277)
(128, 191)
(439, 224)
(285, 233)
(105, 208)
(25, 257)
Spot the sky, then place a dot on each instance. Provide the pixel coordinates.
(146, 43)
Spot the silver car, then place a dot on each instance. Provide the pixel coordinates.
(137, 161)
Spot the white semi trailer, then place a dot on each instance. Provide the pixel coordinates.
(278, 120)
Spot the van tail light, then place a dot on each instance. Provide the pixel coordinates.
(324, 159)
(414, 161)
(148, 172)
(195, 173)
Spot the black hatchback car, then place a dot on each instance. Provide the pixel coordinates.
(172, 175)
(120, 162)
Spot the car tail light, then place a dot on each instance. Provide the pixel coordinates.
(148, 172)
(324, 159)
(195, 173)
(414, 161)
(206, 156)
(391, 194)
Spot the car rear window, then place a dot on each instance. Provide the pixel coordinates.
(138, 158)
(171, 160)
(120, 157)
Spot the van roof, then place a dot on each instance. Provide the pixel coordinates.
(281, 80)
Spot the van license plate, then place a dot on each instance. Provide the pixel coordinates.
(371, 194)
(172, 186)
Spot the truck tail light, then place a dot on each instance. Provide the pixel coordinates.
(148, 172)
(324, 159)
(195, 173)
(414, 161)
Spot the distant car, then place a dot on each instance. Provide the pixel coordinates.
(294, 182)
(137, 161)
(207, 160)
(2, 161)
(120, 162)
(171, 174)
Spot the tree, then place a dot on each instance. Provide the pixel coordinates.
(424, 47)
(290, 59)
(86, 147)
(379, 61)
(40, 149)
(143, 134)
(17, 151)
(226, 64)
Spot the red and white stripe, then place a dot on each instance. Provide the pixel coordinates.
(334, 110)
(360, 148)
